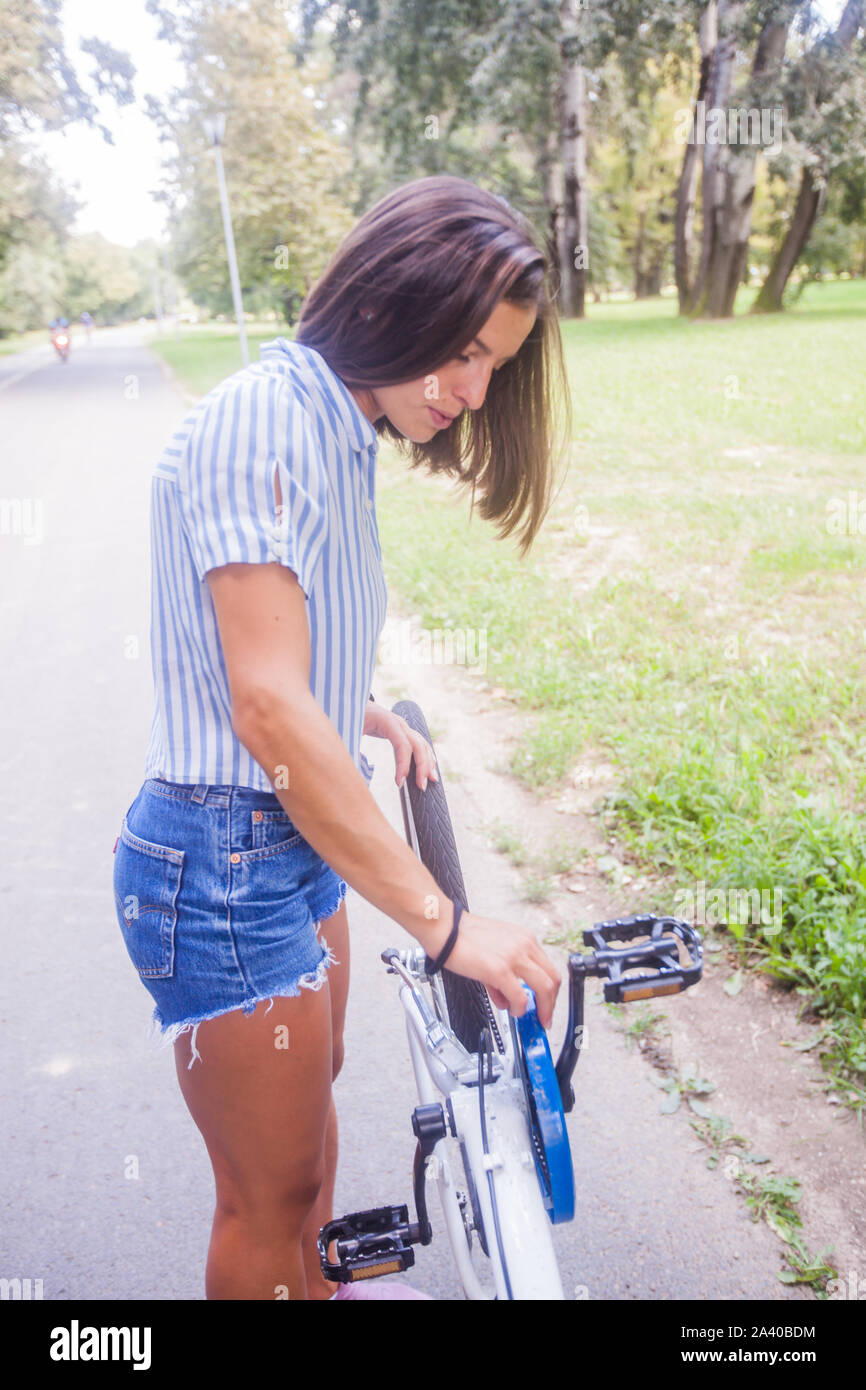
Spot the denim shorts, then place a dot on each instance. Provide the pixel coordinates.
(219, 899)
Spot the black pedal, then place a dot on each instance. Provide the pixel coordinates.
(369, 1243)
(657, 959)
(661, 971)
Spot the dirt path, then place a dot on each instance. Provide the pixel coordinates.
(771, 1093)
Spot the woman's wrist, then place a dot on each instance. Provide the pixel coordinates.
(435, 964)
(442, 917)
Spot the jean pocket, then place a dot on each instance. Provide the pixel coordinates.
(274, 830)
(146, 884)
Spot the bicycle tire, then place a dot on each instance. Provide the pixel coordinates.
(522, 1255)
(469, 1008)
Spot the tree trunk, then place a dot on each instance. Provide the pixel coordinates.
(546, 166)
(640, 289)
(714, 154)
(810, 198)
(849, 24)
(575, 210)
(730, 249)
(654, 275)
(685, 209)
(810, 203)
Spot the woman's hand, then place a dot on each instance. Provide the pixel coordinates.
(500, 954)
(383, 723)
(504, 957)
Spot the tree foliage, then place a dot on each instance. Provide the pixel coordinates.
(110, 282)
(488, 77)
(39, 85)
(288, 173)
(40, 90)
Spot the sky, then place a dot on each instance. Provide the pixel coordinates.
(115, 182)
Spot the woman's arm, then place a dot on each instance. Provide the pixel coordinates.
(261, 615)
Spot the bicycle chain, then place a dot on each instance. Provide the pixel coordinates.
(494, 1026)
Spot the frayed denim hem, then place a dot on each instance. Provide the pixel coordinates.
(332, 907)
(160, 1035)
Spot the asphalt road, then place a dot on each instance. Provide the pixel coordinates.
(82, 1094)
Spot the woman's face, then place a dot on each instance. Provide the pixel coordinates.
(418, 409)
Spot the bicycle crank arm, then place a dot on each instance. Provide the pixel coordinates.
(657, 961)
(379, 1241)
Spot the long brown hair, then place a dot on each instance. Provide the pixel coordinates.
(428, 264)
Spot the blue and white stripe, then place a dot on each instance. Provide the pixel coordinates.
(213, 502)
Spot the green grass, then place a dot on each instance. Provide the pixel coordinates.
(207, 353)
(689, 614)
(18, 342)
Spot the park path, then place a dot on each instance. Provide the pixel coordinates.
(85, 1101)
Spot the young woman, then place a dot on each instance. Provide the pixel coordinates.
(432, 326)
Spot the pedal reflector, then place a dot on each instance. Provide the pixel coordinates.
(368, 1243)
(373, 1271)
(647, 991)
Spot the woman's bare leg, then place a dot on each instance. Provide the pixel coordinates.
(334, 932)
(263, 1110)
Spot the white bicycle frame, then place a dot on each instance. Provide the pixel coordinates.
(520, 1245)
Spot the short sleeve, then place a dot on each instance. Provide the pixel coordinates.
(249, 432)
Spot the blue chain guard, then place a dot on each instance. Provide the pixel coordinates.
(558, 1193)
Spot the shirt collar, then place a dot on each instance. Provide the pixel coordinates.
(344, 417)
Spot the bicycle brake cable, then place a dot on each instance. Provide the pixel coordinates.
(484, 1048)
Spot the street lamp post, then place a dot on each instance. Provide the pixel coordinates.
(214, 130)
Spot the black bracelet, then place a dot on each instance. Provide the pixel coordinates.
(433, 967)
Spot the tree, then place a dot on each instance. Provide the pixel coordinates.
(39, 86)
(828, 95)
(108, 281)
(633, 157)
(34, 209)
(685, 204)
(510, 88)
(837, 245)
(433, 89)
(288, 174)
(575, 193)
(40, 90)
(31, 286)
(755, 80)
(729, 164)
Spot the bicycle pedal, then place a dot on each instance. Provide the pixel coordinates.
(629, 929)
(657, 959)
(369, 1243)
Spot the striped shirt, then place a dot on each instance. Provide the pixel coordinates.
(213, 502)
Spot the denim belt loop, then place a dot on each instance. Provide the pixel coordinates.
(200, 793)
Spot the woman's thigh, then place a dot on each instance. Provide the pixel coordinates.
(261, 1098)
(334, 933)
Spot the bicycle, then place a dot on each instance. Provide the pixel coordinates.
(490, 1125)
